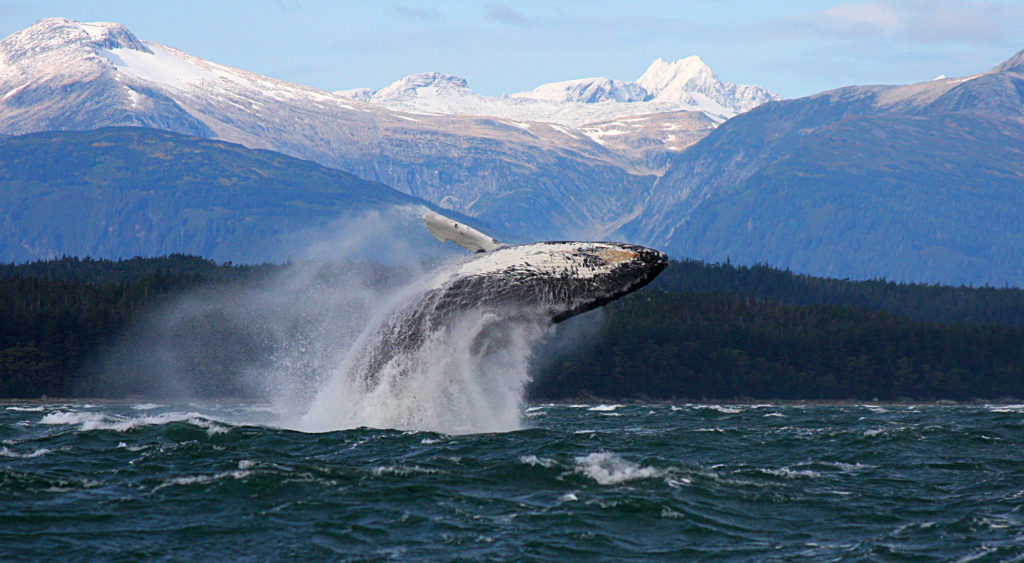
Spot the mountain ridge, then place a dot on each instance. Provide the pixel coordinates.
(908, 182)
(687, 84)
(913, 182)
(129, 191)
(468, 164)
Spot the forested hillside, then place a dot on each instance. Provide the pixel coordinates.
(924, 302)
(702, 332)
(711, 345)
(56, 315)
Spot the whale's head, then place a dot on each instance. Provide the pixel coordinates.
(562, 279)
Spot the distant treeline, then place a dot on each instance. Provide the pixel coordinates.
(663, 345)
(55, 315)
(701, 332)
(100, 272)
(923, 302)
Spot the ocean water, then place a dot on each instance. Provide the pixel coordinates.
(128, 482)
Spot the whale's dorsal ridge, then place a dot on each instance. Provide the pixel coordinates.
(445, 229)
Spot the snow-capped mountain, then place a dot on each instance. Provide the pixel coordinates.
(537, 179)
(684, 85)
(690, 81)
(589, 91)
(422, 85)
(914, 182)
(62, 74)
(918, 182)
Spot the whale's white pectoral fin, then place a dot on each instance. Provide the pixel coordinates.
(444, 229)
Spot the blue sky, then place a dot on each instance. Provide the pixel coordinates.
(794, 48)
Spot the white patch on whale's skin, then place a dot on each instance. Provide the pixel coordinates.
(551, 259)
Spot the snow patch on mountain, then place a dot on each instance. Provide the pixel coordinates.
(361, 94)
(588, 91)
(158, 66)
(424, 84)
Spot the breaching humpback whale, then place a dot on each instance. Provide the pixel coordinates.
(545, 281)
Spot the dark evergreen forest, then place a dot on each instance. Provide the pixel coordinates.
(700, 332)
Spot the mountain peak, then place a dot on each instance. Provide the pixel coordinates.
(409, 86)
(673, 78)
(690, 79)
(661, 73)
(54, 34)
(1013, 64)
(588, 91)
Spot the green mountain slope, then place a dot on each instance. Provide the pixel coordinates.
(923, 182)
(121, 192)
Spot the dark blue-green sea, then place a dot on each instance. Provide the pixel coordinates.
(127, 482)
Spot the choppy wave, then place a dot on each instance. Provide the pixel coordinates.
(611, 469)
(657, 482)
(87, 421)
(6, 452)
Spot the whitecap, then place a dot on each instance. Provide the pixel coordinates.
(604, 408)
(1005, 408)
(672, 514)
(71, 417)
(790, 473)
(100, 421)
(847, 467)
(4, 451)
(610, 469)
(146, 406)
(401, 470)
(537, 461)
(68, 487)
(724, 410)
(39, 408)
(203, 479)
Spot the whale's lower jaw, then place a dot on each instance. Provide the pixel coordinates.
(646, 278)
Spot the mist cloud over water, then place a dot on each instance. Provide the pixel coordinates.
(292, 338)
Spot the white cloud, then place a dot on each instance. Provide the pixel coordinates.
(862, 19)
(504, 14)
(920, 21)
